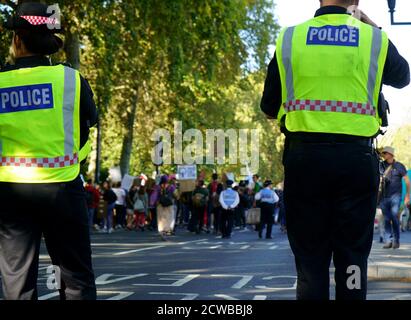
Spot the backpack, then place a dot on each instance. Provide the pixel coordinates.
(199, 200)
(139, 205)
(165, 199)
(111, 196)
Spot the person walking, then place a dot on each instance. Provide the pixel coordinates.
(45, 119)
(229, 200)
(199, 203)
(141, 208)
(213, 206)
(323, 87)
(165, 208)
(268, 198)
(394, 173)
(92, 199)
(110, 198)
(120, 206)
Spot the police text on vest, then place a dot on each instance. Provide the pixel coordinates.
(334, 36)
(26, 98)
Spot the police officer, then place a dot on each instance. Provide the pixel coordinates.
(323, 87)
(229, 200)
(45, 115)
(267, 198)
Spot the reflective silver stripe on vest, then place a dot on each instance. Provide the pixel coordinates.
(68, 109)
(329, 106)
(373, 71)
(287, 56)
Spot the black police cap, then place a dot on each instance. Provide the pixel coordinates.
(267, 183)
(32, 16)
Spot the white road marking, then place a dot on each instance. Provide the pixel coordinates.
(214, 247)
(194, 241)
(179, 282)
(259, 298)
(137, 250)
(238, 285)
(103, 279)
(225, 297)
(245, 247)
(119, 295)
(294, 287)
(49, 296)
(273, 247)
(187, 296)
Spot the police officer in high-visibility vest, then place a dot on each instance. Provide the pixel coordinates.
(323, 87)
(267, 198)
(229, 200)
(45, 114)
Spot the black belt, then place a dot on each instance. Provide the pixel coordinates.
(366, 142)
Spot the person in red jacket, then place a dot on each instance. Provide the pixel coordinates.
(93, 199)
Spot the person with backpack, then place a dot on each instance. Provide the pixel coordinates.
(92, 199)
(229, 200)
(165, 208)
(199, 202)
(140, 208)
(110, 198)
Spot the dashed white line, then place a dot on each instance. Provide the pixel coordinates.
(137, 250)
(187, 296)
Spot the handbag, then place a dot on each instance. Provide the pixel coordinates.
(253, 216)
(381, 188)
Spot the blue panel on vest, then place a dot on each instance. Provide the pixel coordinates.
(26, 98)
(334, 36)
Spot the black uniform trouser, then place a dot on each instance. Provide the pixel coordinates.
(227, 222)
(217, 219)
(59, 213)
(330, 201)
(267, 218)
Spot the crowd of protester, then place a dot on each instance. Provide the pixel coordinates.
(161, 206)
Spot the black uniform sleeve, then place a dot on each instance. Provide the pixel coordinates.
(88, 111)
(271, 101)
(396, 69)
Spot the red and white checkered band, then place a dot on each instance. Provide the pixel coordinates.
(38, 20)
(58, 162)
(330, 106)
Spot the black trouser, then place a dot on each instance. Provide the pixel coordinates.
(217, 219)
(59, 212)
(227, 221)
(267, 218)
(330, 201)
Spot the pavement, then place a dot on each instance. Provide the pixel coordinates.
(390, 264)
(140, 266)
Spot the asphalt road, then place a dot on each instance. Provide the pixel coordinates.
(140, 266)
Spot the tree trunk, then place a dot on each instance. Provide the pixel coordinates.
(72, 49)
(127, 146)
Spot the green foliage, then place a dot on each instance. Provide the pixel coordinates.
(151, 62)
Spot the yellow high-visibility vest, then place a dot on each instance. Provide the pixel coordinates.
(331, 71)
(40, 125)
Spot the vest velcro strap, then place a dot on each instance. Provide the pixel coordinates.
(58, 162)
(330, 106)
